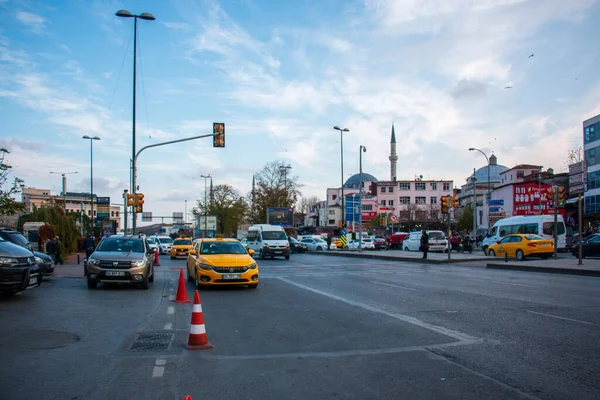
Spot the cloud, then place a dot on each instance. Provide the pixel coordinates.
(469, 88)
(35, 22)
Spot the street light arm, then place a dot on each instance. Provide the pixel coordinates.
(485, 155)
(171, 142)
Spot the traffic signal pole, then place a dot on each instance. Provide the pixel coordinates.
(125, 211)
(555, 223)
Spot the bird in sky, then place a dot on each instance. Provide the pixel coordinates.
(531, 55)
(508, 87)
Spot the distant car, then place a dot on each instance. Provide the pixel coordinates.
(590, 246)
(164, 244)
(380, 242)
(317, 244)
(297, 246)
(152, 243)
(45, 262)
(180, 248)
(521, 246)
(366, 244)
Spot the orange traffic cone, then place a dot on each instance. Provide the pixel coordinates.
(198, 339)
(156, 262)
(181, 292)
(187, 398)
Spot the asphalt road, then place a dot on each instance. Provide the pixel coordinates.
(317, 327)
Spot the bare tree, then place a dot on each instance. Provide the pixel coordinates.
(574, 155)
(8, 205)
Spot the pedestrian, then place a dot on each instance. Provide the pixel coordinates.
(57, 248)
(50, 248)
(424, 244)
(89, 245)
(328, 242)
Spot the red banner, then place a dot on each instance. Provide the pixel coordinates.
(533, 199)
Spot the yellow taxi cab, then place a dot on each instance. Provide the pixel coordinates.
(521, 246)
(219, 261)
(338, 242)
(180, 247)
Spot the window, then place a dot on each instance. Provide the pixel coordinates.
(421, 215)
(333, 196)
(112, 213)
(420, 200)
(420, 186)
(589, 133)
(591, 156)
(117, 214)
(404, 185)
(520, 174)
(593, 180)
(433, 185)
(383, 203)
(391, 189)
(331, 212)
(383, 189)
(391, 203)
(405, 200)
(331, 222)
(367, 207)
(548, 228)
(433, 200)
(446, 187)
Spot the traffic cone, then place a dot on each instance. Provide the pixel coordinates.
(181, 292)
(156, 262)
(187, 398)
(198, 339)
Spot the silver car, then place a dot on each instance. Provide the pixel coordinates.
(125, 259)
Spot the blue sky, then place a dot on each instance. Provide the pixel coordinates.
(281, 74)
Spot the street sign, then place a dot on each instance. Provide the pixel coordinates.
(495, 203)
(147, 216)
(177, 217)
(394, 218)
(351, 206)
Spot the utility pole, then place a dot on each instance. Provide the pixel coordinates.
(555, 189)
(125, 212)
(580, 224)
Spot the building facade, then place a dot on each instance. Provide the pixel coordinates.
(591, 154)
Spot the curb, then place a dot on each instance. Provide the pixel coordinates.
(550, 270)
(400, 258)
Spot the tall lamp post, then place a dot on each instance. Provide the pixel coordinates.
(284, 168)
(362, 149)
(148, 17)
(337, 128)
(91, 139)
(205, 204)
(489, 196)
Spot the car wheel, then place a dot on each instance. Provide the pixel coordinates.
(7, 294)
(198, 285)
(287, 257)
(520, 255)
(172, 258)
(544, 257)
(92, 284)
(484, 248)
(253, 286)
(492, 253)
(145, 285)
(319, 248)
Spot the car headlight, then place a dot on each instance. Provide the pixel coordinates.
(8, 261)
(38, 260)
(205, 266)
(93, 261)
(252, 266)
(138, 263)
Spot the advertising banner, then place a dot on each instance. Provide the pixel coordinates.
(531, 198)
(280, 216)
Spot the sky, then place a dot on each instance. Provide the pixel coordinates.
(280, 74)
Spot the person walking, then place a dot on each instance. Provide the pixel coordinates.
(57, 248)
(328, 242)
(50, 248)
(424, 244)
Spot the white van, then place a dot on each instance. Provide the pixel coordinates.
(542, 225)
(268, 241)
(437, 241)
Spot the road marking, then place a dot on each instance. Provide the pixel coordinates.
(171, 310)
(168, 326)
(559, 317)
(398, 286)
(161, 361)
(158, 372)
(405, 318)
(504, 283)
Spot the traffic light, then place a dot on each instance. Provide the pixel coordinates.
(444, 204)
(218, 134)
(549, 193)
(340, 224)
(139, 202)
(562, 196)
(455, 202)
(130, 199)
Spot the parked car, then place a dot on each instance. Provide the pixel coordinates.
(126, 259)
(317, 244)
(590, 246)
(296, 246)
(18, 269)
(367, 244)
(44, 261)
(437, 241)
(521, 246)
(380, 242)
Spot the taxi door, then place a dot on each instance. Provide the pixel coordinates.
(192, 259)
(513, 245)
(504, 246)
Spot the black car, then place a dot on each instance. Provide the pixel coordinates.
(590, 246)
(18, 270)
(297, 246)
(43, 260)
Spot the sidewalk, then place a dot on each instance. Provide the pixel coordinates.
(70, 269)
(565, 264)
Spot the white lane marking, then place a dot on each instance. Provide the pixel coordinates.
(168, 326)
(504, 283)
(172, 297)
(158, 372)
(405, 318)
(559, 317)
(398, 286)
(161, 361)
(171, 289)
(171, 310)
(198, 329)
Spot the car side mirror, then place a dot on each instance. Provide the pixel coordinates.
(497, 241)
(192, 252)
(251, 252)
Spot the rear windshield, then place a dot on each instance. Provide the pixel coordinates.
(182, 242)
(534, 237)
(121, 245)
(274, 235)
(436, 236)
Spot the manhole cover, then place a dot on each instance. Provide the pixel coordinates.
(34, 339)
(156, 341)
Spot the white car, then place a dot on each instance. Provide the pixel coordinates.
(317, 244)
(437, 241)
(152, 243)
(366, 244)
(164, 244)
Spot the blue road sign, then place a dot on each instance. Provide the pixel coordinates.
(496, 203)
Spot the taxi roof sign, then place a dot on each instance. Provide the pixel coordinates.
(219, 236)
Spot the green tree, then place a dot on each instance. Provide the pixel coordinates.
(464, 220)
(8, 205)
(274, 187)
(227, 205)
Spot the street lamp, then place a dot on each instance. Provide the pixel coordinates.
(91, 139)
(488, 170)
(362, 149)
(337, 128)
(148, 17)
(284, 168)
(205, 204)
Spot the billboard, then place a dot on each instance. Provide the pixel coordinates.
(177, 217)
(280, 216)
(531, 198)
(208, 221)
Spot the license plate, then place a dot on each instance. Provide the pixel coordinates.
(115, 273)
(232, 276)
(278, 252)
(544, 244)
(33, 281)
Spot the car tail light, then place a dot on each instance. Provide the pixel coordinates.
(531, 244)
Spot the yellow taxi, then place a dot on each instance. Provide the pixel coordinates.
(338, 242)
(221, 261)
(180, 248)
(521, 246)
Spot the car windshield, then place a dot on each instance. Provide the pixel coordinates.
(274, 235)
(182, 242)
(19, 239)
(222, 248)
(165, 240)
(436, 236)
(121, 245)
(534, 237)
